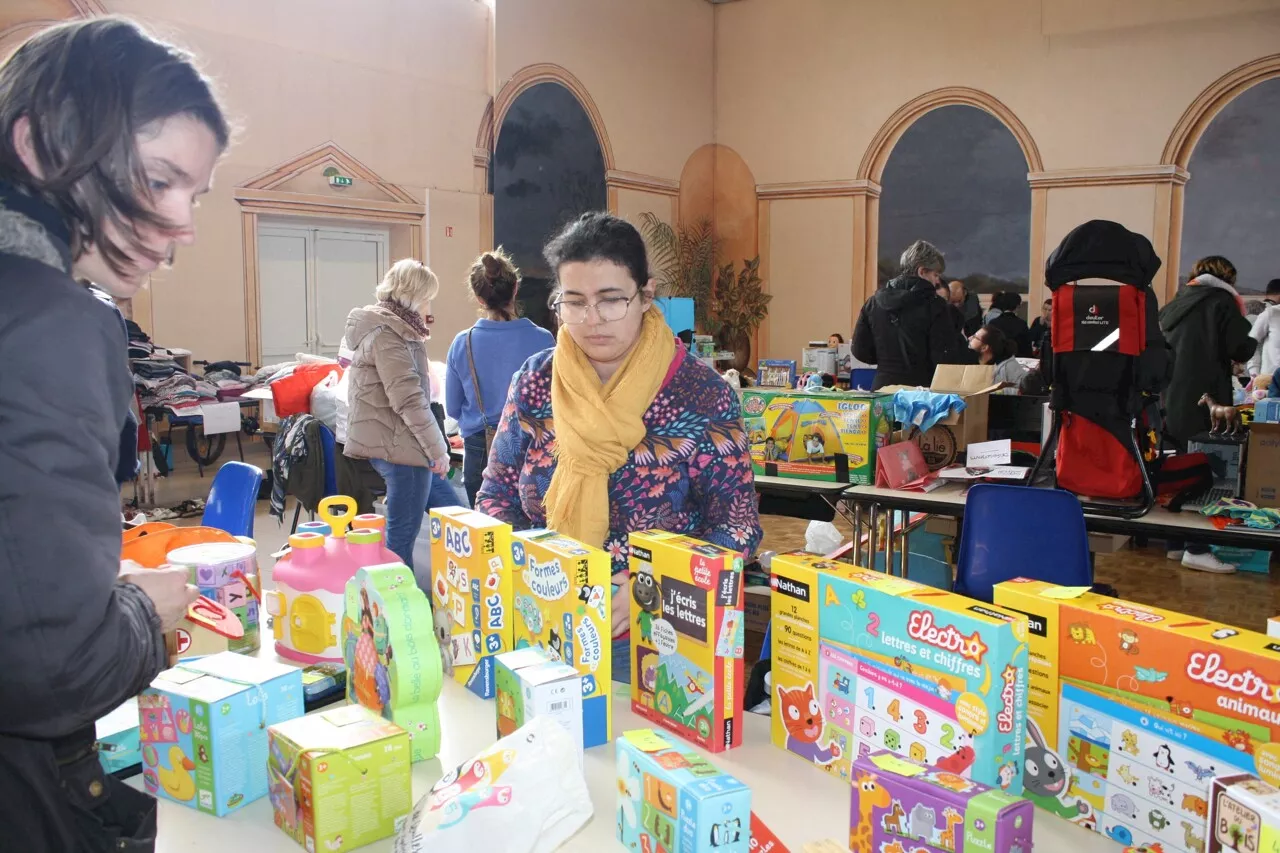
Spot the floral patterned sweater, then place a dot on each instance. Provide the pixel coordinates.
(691, 474)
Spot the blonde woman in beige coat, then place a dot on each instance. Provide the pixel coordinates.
(390, 422)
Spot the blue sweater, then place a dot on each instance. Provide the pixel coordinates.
(499, 348)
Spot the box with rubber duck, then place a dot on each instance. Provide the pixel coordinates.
(1152, 705)
(340, 779)
(865, 661)
(203, 728)
(901, 805)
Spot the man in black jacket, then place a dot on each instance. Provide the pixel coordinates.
(906, 329)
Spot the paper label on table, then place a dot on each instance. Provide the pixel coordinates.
(220, 418)
(988, 454)
(646, 740)
(1065, 592)
(894, 764)
(999, 472)
(895, 586)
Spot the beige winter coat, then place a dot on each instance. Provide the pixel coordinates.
(389, 398)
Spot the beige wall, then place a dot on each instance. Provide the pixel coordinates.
(810, 267)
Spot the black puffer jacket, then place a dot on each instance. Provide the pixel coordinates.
(907, 330)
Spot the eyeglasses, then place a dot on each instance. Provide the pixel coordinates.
(574, 312)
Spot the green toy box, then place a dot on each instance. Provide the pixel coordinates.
(340, 779)
(816, 435)
(532, 683)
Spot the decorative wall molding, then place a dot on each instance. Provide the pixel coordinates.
(818, 189)
(480, 158)
(1108, 176)
(326, 154)
(1186, 133)
(616, 178)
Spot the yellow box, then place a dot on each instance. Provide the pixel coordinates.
(563, 596)
(471, 581)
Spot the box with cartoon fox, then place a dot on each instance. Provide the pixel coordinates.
(865, 661)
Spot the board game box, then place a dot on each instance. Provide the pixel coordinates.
(832, 435)
(687, 637)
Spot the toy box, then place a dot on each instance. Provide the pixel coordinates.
(1244, 815)
(471, 581)
(340, 779)
(900, 804)
(687, 637)
(225, 572)
(677, 801)
(562, 602)
(532, 683)
(117, 739)
(886, 663)
(391, 653)
(203, 727)
(776, 373)
(817, 435)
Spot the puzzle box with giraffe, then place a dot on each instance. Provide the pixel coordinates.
(866, 661)
(1152, 705)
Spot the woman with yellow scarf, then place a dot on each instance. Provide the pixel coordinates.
(619, 428)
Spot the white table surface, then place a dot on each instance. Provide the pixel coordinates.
(797, 801)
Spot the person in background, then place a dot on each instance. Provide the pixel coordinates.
(1266, 331)
(967, 304)
(483, 359)
(906, 329)
(957, 318)
(1040, 327)
(1004, 317)
(994, 348)
(1206, 327)
(389, 416)
(107, 139)
(835, 339)
(644, 434)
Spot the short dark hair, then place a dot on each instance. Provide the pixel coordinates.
(89, 88)
(1001, 347)
(600, 236)
(1006, 300)
(1273, 287)
(837, 336)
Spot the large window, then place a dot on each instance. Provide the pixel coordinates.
(547, 170)
(958, 178)
(1231, 205)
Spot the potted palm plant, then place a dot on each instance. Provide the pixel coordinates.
(683, 261)
(739, 305)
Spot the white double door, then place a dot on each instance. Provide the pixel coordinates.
(309, 279)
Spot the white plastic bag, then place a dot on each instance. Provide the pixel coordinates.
(822, 537)
(524, 794)
(329, 404)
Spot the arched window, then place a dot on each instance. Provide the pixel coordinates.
(1231, 207)
(957, 177)
(547, 169)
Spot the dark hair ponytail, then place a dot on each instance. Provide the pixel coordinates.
(493, 280)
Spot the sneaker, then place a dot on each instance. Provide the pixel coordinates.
(1206, 562)
(1175, 555)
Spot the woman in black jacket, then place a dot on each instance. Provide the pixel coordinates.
(106, 139)
(1009, 323)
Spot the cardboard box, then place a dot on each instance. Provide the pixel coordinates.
(1244, 815)
(687, 637)
(817, 435)
(204, 729)
(863, 661)
(677, 801)
(1262, 466)
(943, 444)
(532, 683)
(563, 595)
(471, 580)
(340, 779)
(757, 606)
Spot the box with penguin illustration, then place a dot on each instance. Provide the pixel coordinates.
(863, 661)
(562, 600)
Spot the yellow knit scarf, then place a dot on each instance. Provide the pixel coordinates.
(597, 425)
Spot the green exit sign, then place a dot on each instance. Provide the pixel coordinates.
(339, 181)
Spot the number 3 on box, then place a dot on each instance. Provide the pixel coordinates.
(921, 724)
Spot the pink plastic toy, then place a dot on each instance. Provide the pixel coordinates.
(308, 601)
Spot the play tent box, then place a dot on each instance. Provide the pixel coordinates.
(816, 435)
(864, 661)
(943, 444)
(563, 596)
(687, 637)
(471, 580)
(532, 683)
(676, 800)
(1244, 815)
(203, 729)
(340, 779)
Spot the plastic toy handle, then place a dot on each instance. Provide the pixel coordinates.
(337, 520)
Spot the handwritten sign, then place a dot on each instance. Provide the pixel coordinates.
(988, 454)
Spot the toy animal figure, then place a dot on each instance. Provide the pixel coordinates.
(892, 822)
(892, 847)
(1201, 773)
(729, 832)
(1222, 419)
(1128, 642)
(1164, 757)
(1126, 773)
(1082, 633)
(1120, 834)
(1239, 739)
(922, 822)
(871, 795)
(1189, 838)
(1159, 790)
(1045, 779)
(1196, 805)
(1129, 742)
(646, 593)
(1157, 819)
(802, 718)
(1121, 804)
(444, 628)
(948, 837)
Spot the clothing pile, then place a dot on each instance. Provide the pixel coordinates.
(297, 454)
(226, 377)
(171, 388)
(1231, 511)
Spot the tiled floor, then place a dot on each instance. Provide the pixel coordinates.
(1139, 574)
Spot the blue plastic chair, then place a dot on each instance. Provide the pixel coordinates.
(233, 498)
(329, 445)
(1018, 531)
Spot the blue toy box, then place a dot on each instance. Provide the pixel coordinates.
(119, 749)
(675, 800)
(203, 727)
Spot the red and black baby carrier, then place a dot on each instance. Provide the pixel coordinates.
(1106, 357)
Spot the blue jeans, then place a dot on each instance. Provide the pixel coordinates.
(474, 459)
(408, 490)
(443, 493)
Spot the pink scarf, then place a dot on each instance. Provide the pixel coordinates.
(412, 318)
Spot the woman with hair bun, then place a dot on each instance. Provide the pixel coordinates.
(483, 359)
